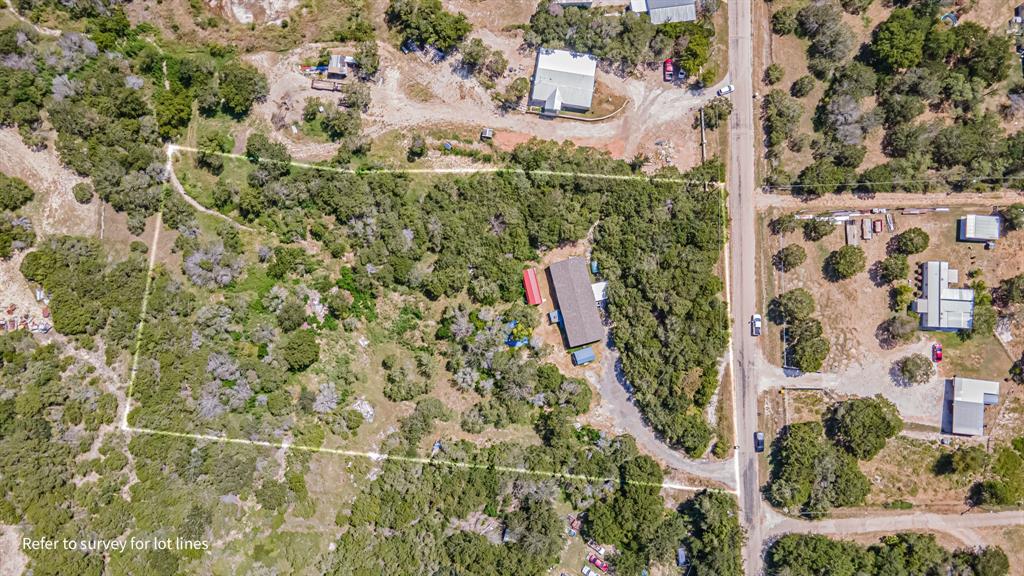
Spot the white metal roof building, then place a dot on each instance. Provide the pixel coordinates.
(563, 79)
(664, 11)
(942, 307)
(974, 228)
(970, 397)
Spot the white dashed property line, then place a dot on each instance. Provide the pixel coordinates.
(373, 456)
(172, 148)
(379, 457)
(142, 317)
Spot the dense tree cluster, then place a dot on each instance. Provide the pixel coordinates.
(806, 348)
(1004, 485)
(811, 475)
(14, 193)
(903, 553)
(626, 40)
(426, 22)
(88, 293)
(16, 231)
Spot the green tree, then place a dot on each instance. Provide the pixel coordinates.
(968, 460)
(789, 257)
(83, 192)
(773, 74)
(815, 229)
(784, 224)
(802, 86)
(796, 304)
(912, 241)
(809, 354)
(292, 315)
(862, 425)
(898, 42)
(893, 268)
(1013, 215)
(300, 350)
(241, 85)
(14, 193)
(823, 177)
(784, 21)
(846, 262)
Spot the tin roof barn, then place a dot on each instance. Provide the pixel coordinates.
(563, 79)
(974, 228)
(969, 400)
(575, 302)
(532, 287)
(942, 307)
(663, 11)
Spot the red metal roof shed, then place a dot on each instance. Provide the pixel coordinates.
(532, 287)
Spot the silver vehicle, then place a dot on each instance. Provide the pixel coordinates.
(729, 89)
(755, 325)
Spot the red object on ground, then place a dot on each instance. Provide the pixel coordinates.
(532, 287)
(668, 70)
(598, 562)
(937, 352)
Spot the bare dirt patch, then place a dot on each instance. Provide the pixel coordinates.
(54, 209)
(15, 561)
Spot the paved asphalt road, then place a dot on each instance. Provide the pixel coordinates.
(741, 187)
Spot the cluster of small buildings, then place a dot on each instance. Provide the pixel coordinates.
(10, 322)
(565, 80)
(576, 306)
(330, 77)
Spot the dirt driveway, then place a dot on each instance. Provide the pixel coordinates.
(413, 93)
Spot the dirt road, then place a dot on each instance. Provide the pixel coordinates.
(894, 200)
(961, 526)
(169, 152)
(617, 404)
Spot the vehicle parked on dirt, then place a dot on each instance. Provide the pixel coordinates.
(601, 564)
(587, 571)
(758, 441)
(668, 70)
(755, 325)
(937, 352)
(595, 547)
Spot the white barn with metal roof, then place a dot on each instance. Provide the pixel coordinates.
(970, 397)
(942, 307)
(563, 79)
(974, 228)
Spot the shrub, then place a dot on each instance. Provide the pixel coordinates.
(796, 304)
(916, 369)
(773, 74)
(784, 224)
(784, 21)
(83, 192)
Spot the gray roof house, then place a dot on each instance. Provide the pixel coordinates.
(664, 11)
(574, 300)
(969, 400)
(563, 79)
(974, 228)
(942, 307)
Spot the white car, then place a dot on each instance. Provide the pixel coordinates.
(588, 572)
(755, 325)
(726, 90)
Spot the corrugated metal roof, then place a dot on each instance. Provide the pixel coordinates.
(564, 78)
(942, 307)
(583, 355)
(663, 11)
(968, 418)
(571, 283)
(532, 287)
(984, 228)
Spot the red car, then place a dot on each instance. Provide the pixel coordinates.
(668, 70)
(937, 352)
(593, 559)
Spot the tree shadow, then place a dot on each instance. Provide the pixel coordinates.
(884, 337)
(875, 274)
(897, 375)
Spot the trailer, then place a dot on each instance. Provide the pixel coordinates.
(852, 239)
(865, 228)
(890, 222)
